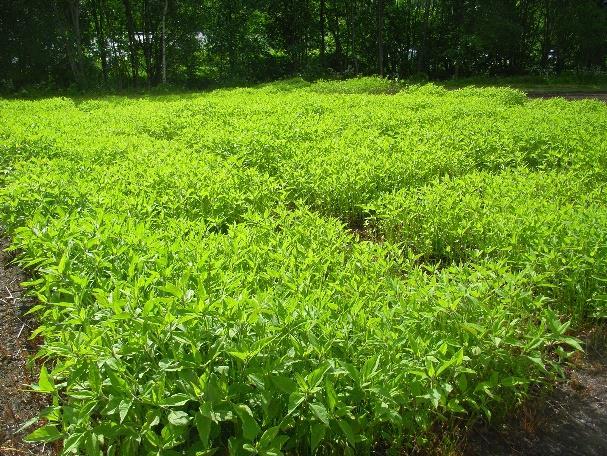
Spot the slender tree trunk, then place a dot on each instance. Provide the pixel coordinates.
(380, 36)
(458, 21)
(518, 61)
(322, 33)
(422, 56)
(305, 35)
(148, 43)
(116, 67)
(334, 29)
(101, 39)
(232, 55)
(408, 37)
(351, 10)
(546, 33)
(75, 43)
(152, 42)
(69, 45)
(75, 10)
(164, 46)
(130, 25)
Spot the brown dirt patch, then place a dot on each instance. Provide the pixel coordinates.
(17, 405)
(571, 420)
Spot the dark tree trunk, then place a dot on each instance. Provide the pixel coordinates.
(380, 36)
(422, 57)
(518, 62)
(74, 43)
(322, 33)
(101, 38)
(130, 25)
(164, 45)
(148, 50)
(334, 29)
(351, 11)
(546, 32)
(458, 16)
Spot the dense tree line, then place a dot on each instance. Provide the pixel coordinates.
(123, 43)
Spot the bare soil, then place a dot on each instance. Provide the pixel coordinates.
(571, 420)
(17, 404)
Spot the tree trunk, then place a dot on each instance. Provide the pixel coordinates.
(546, 33)
(130, 25)
(164, 47)
(322, 33)
(351, 10)
(148, 50)
(518, 61)
(380, 36)
(75, 44)
(101, 39)
(334, 29)
(422, 56)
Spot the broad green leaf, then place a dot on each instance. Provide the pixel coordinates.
(176, 400)
(45, 383)
(295, 400)
(284, 384)
(268, 437)
(73, 442)
(178, 418)
(203, 426)
(317, 433)
(320, 412)
(46, 434)
(347, 431)
(250, 428)
(573, 342)
(124, 407)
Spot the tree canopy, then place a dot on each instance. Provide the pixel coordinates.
(125, 43)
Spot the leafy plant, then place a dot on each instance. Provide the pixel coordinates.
(201, 290)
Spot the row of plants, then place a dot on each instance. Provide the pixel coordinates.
(552, 223)
(201, 290)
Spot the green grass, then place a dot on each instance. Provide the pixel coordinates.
(301, 268)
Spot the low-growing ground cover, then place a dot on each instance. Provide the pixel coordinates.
(204, 288)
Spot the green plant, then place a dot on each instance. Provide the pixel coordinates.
(201, 290)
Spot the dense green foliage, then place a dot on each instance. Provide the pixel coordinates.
(126, 43)
(553, 224)
(336, 267)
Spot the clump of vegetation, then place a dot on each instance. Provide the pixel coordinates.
(204, 288)
(551, 223)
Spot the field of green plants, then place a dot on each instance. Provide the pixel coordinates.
(330, 268)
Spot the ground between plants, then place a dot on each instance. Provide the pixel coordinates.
(572, 419)
(17, 404)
